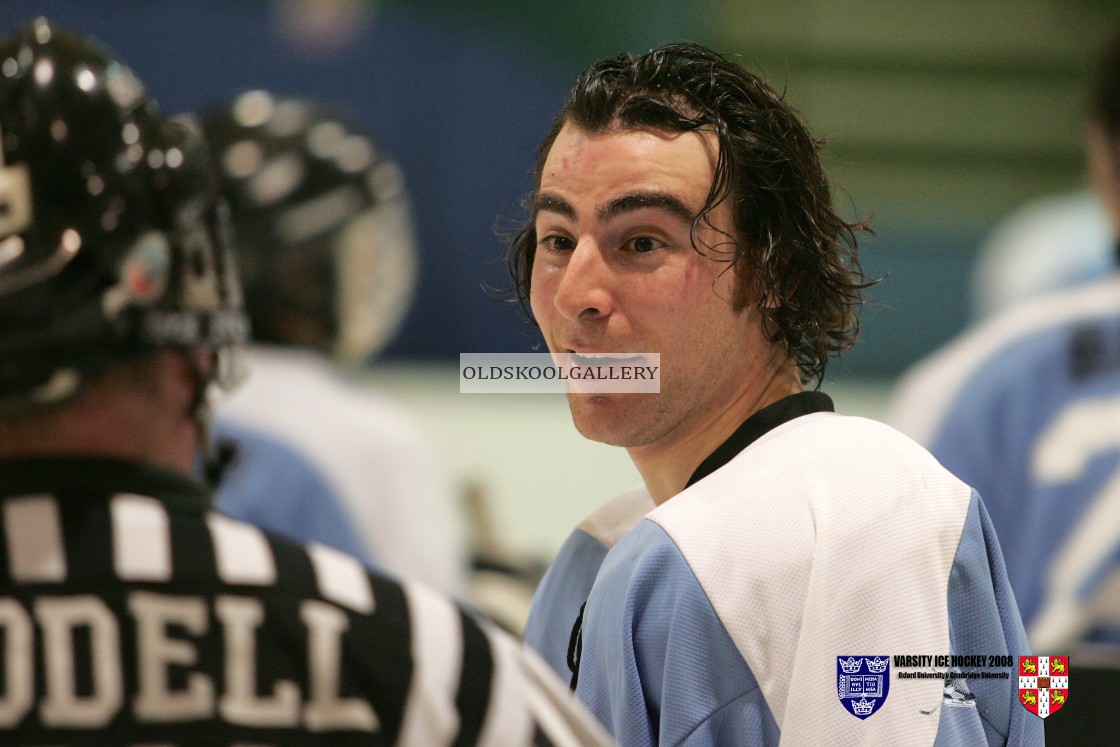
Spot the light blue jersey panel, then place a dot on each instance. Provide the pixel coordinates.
(273, 487)
(560, 598)
(654, 646)
(983, 619)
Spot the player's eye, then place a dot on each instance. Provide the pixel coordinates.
(556, 243)
(643, 244)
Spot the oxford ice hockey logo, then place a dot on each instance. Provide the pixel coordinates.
(862, 683)
(1043, 683)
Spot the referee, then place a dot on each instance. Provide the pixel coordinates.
(130, 612)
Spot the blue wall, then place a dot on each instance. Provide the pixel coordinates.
(461, 111)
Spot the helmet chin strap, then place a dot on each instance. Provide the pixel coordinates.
(215, 454)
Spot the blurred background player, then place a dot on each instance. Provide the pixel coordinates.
(325, 242)
(1046, 245)
(129, 610)
(276, 488)
(1026, 407)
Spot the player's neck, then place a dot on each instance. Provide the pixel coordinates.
(150, 425)
(666, 466)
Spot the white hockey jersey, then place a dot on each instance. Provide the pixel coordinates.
(719, 617)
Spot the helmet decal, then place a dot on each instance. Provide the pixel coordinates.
(111, 235)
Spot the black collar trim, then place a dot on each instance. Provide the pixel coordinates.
(762, 422)
(65, 476)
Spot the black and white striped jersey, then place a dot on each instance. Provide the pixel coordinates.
(130, 613)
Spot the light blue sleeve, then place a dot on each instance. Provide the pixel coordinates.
(273, 487)
(983, 618)
(658, 666)
(559, 600)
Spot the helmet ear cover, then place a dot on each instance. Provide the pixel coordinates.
(112, 241)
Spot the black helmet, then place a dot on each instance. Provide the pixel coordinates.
(112, 237)
(321, 223)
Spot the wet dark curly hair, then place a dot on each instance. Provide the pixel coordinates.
(796, 259)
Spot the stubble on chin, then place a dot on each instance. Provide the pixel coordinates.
(608, 420)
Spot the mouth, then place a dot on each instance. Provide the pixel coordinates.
(601, 372)
(604, 359)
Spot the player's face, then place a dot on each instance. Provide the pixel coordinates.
(616, 272)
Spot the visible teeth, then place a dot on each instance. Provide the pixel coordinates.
(595, 358)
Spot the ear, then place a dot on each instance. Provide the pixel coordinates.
(1104, 168)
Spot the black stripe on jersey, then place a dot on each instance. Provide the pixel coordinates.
(286, 632)
(192, 552)
(387, 664)
(293, 566)
(377, 650)
(87, 536)
(475, 683)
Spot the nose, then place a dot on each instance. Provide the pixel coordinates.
(585, 292)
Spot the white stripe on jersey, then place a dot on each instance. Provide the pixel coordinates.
(241, 552)
(342, 578)
(34, 533)
(431, 718)
(507, 717)
(141, 538)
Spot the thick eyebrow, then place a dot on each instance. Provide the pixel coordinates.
(554, 204)
(618, 206)
(643, 200)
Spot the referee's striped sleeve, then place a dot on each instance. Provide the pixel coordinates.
(561, 720)
(508, 720)
(533, 707)
(474, 685)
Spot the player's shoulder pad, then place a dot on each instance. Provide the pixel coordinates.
(615, 519)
